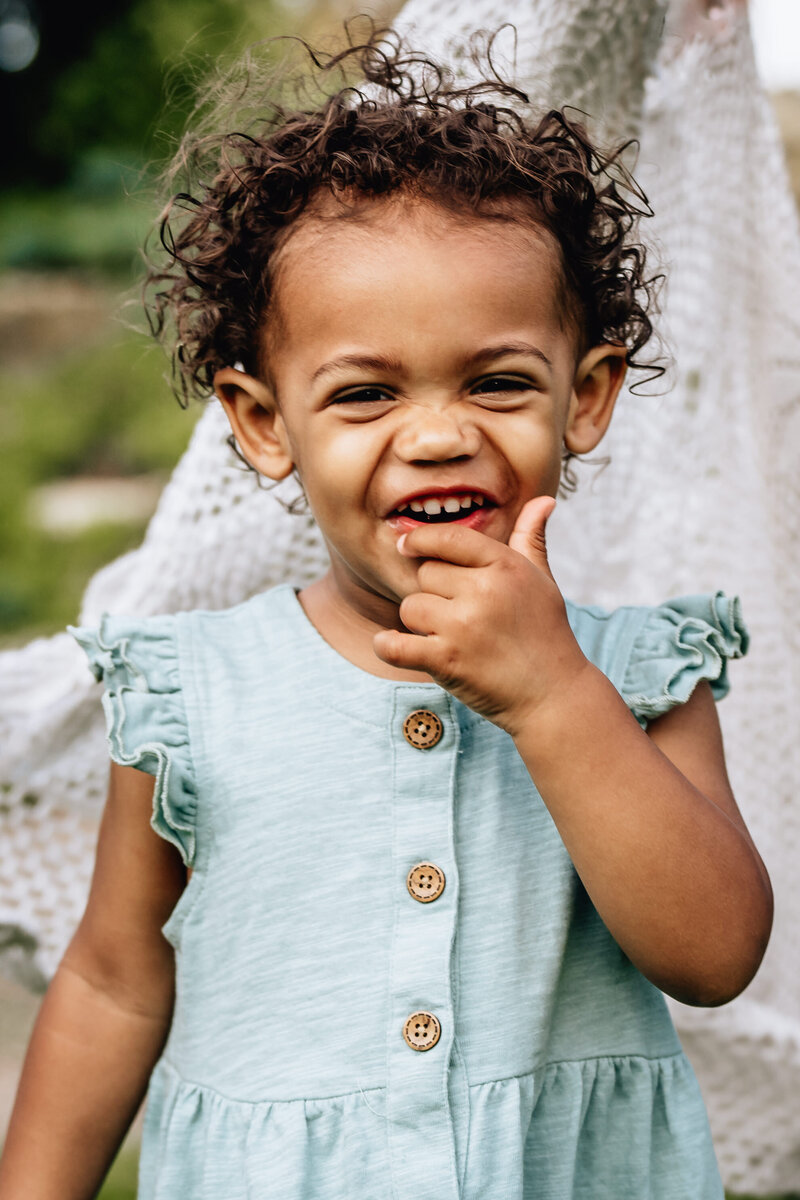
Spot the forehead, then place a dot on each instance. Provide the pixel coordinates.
(374, 262)
(356, 229)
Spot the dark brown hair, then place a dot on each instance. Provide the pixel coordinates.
(408, 125)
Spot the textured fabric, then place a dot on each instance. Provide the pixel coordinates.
(702, 491)
(146, 721)
(284, 777)
(680, 644)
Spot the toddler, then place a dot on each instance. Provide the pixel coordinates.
(428, 841)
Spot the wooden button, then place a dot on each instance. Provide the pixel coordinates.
(425, 882)
(422, 1031)
(422, 729)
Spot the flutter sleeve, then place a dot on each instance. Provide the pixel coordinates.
(679, 644)
(146, 717)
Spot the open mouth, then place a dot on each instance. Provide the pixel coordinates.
(437, 510)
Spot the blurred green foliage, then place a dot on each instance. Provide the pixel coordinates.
(125, 85)
(96, 118)
(90, 132)
(70, 229)
(106, 410)
(120, 1182)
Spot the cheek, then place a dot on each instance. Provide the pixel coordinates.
(534, 450)
(335, 471)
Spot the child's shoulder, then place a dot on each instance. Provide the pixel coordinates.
(161, 673)
(120, 638)
(656, 655)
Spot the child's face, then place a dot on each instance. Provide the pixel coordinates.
(419, 358)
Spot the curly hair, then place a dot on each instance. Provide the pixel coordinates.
(408, 125)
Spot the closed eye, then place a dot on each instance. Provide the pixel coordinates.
(363, 402)
(503, 392)
(503, 383)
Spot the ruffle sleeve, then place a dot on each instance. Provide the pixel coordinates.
(679, 644)
(146, 716)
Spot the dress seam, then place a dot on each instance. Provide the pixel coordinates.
(377, 1090)
(566, 1062)
(560, 1062)
(207, 1087)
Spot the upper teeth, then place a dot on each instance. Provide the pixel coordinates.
(433, 507)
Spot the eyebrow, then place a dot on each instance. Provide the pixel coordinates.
(367, 362)
(493, 352)
(379, 362)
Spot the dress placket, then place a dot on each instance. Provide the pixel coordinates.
(425, 737)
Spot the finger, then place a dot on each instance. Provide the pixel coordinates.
(406, 650)
(453, 544)
(423, 613)
(528, 537)
(440, 578)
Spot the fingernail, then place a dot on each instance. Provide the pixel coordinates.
(401, 541)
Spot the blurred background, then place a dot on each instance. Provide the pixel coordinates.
(94, 97)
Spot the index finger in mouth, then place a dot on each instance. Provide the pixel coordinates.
(450, 543)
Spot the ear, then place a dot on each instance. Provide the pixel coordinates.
(256, 422)
(598, 379)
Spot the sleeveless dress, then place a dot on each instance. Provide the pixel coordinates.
(340, 1031)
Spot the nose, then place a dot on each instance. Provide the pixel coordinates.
(436, 435)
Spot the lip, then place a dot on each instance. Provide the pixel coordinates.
(463, 489)
(478, 519)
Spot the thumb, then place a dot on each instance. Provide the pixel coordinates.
(528, 536)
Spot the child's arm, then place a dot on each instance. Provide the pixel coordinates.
(106, 1014)
(649, 821)
(654, 832)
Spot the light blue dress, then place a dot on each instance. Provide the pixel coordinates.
(285, 780)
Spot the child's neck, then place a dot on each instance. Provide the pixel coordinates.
(349, 625)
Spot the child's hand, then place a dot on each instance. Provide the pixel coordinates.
(492, 620)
